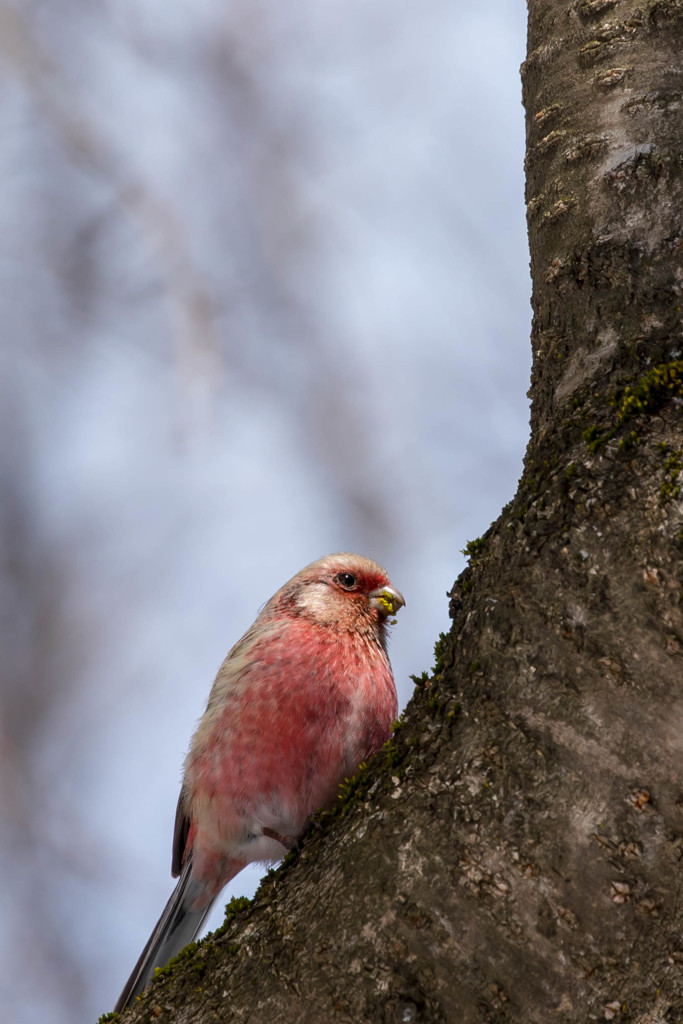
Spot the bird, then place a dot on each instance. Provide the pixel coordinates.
(303, 698)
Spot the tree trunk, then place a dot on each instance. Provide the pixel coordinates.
(515, 853)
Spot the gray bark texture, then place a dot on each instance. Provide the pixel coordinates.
(515, 854)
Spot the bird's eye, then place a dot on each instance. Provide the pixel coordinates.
(346, 580)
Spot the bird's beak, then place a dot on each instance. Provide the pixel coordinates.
(385, 600)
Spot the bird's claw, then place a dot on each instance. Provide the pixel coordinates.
(289, 842)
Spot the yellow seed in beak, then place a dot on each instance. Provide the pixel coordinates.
(386, 600)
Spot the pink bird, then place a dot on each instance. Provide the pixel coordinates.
(298, 703)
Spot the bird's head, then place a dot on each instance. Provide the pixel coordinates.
(345, 591)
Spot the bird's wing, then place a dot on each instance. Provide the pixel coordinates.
(180, 833)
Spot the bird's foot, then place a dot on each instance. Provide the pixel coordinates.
(289, 842)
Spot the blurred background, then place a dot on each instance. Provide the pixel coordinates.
(265, 296)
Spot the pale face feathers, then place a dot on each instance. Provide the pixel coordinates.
(344, 591)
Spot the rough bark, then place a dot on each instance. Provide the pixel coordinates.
(515, 853)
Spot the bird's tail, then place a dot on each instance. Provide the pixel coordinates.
(178, 925)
